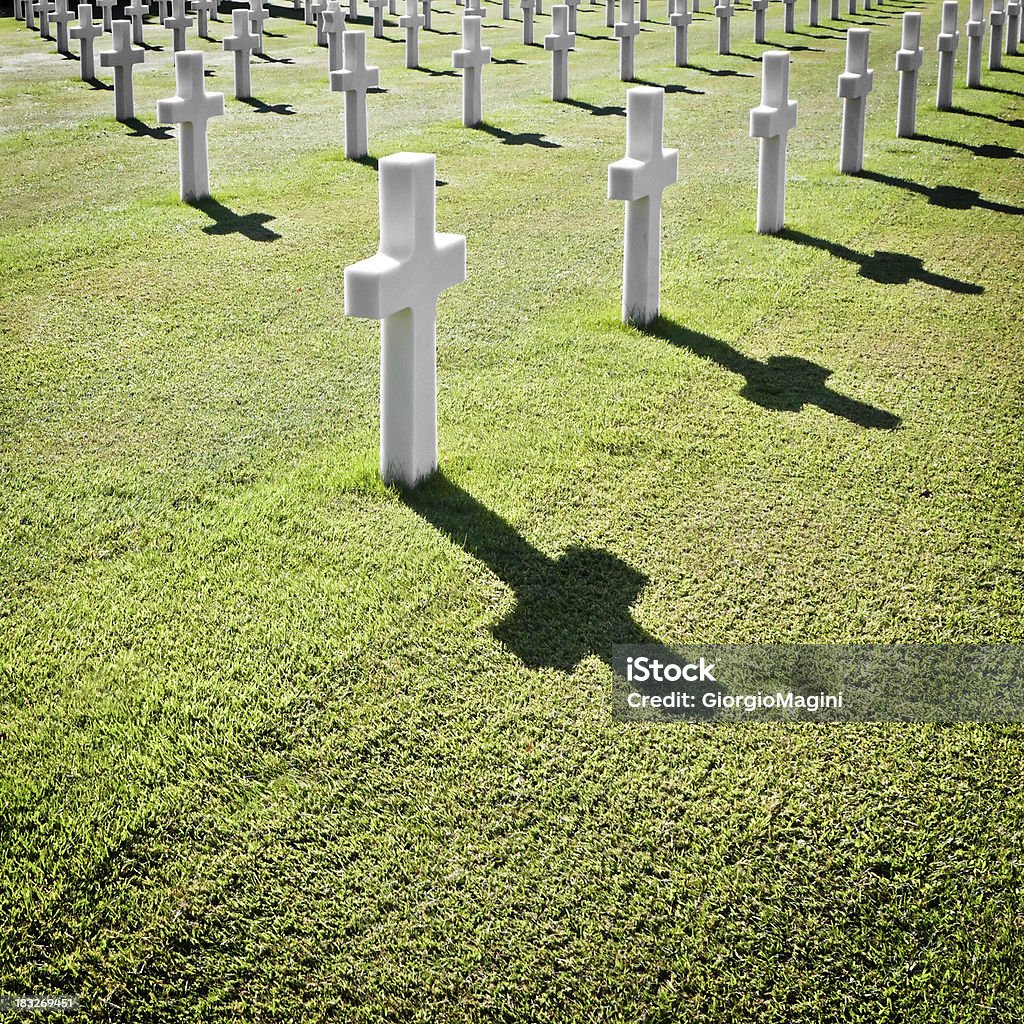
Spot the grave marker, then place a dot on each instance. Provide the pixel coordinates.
(997, 22)
(573, 6)
(401, 286)
(61, 17)
(724, 11)
(812, 14)
(771, 122)
(107, 9)
(242, 43)
(86, 33)
(947, 43)
(178, 23)
(334, 28)
(162, 10)
(789, 17)
(759, 8)
(318, 7)
(680, 19)
(471, 58)
(203, 9)
(123, 58)
(354, 80)
(258, 15)
(975, 41)
(411, 21)
(29, 11)
(1012, 27)
(135, 12)
(854, 85)
(44, 8)
(560, 41)
(626, 32)
(427, 8)
(527, 7)
(909, 59)
(609, 13)
(377, 6)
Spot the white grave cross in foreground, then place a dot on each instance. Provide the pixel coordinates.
(191, 110)
(471, 58)
(400, 285)
(854, 85)
(559, 42)
(242, 44)
(772, 122)
(639, 180)
(354, 80)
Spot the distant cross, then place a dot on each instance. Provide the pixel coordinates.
(559, 42)
(19, 10)
(215, 13)
(29, 11)
(639, 180)
(61, 17)
(258, 15)
(242, 43)
(426, 8)
(680, 20)
(353, 10)
(393, 8)
(851, 7)
(377, 6)
(946, 44)
(854, 85)
(833, 9)
(527, 7)
(812, 14)
(724, 11)
(644, 15)
(471, 59)
(401, 285)
(975, 41)
(107, 8)
(203, 9)
(86, 33)
(44, 8)
(789, 20)
(573, 6)
(909, 59)
(759, 8)
(307, 12)
(135, 12)
(354, 80)
(506, 9)
(334, 27)
(191, 109)
(626, 32)
(319, 6)
(538, 8)
(123, 58)
(997, 22)
(1012, 27)
(412, 22)
(476, 8)
(162, 10)
(178, 23)
(609, 13)
(772, 122)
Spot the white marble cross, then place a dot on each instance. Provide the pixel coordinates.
(639, 180)
(44, 8)
(475, 8)
(135, 12)
(353, 10)
(318, 7)
(471, 59)
(506, 9)
(909, 58)
(178, 23)
(759, 7)
(401, 286)
(30, 15)
(191, 109)
(1012, 27)
(854, 85)
(812, 13)
(527, 7)
(851, 7)
(609, 13)
(162, 10)
(559, 42)
(377, 7)
(789, 18)
(86, 32)
(975, 42)
(412, 22)
(833, 9)
(626, 32)
(573, 6)
(771, 122)
(107, 9)
(203, 9)
(997, 22)
(724, 11)
(308, 15)
(123, 58)
(62, 17)
(680, 20)
(426, 6)
(334, 28)
(946, 44)
(242, 43)
(258, 15)
(354, 80)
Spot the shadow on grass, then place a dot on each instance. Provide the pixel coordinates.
(719, 72)
(780, 383)
(884, 267)
(141, 130)
(227, 222)
(517, 138)
(671, 88)
(566, 608)
(95, 83)
(592, 108)
(1013, 122)
(285, 109)
(948, 197)
(990, 150)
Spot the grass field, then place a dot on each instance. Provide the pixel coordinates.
(281, 744)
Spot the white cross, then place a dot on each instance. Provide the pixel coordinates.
(680, 20)
(353, 10)
(203, 9)
(123, 58)
(1013, 27)
(258, 14)
(506, 9)
(975, 39)
(318, 8)
(44, 8)
(471, 58)
(308, 14)
(393, 7)
(771, 122)
(946, 44)
(527, 7)
(86, 33)
(377, 6)
(909, 59)
(192, 109)
(401, 285)
(162, 10)
(354, 80)
(178, 23)
(425, 6)
(997, 21)
(559, 42)
(30, 15)
(61, 18)
(135, 12)
(573, 6)
(107, 7)
(609, 13)
(242, 43)
(759, 7)
(411, 21)
(724, 11)
(334, 27)
(476, 9)
(789, 22)
(854, 85)
(626, 32)
(639, 180)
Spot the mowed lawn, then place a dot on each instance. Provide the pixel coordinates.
(281, 744)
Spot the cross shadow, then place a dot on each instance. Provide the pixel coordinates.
(149, 46)
(95, 83)
(141, 130)
(990, 150)
(517, 138)
(799, 48)
(368, 161)
(592, 108)
(285, 109)
(992, 88)
(1012, 122)
(227, 222)
(597, 39)
(267, 59)
(780, 383)
(948, 197)
(719, 72)
(510, 60)
(566, 607)
(670, 88)
(435, 73)
(884, 267)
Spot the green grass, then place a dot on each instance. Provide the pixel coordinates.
(279, 743)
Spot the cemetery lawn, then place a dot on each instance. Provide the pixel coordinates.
(278, 743)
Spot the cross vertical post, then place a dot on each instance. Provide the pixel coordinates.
(626, 32)
(854, 85)
(760, 7)
(178, 23)
(471, 59)
(789, 16)
(771, 122)
(559, 42)
(123, 58)
(946, 44)
(107, 9)
(1012, 27)
(997, 22)
(354, 79)
(527, 7)
(377, 6)
(680, 20)
(258, 14)
(61, 17)
(411, 21)
(86, 32)
(241, 43)
(135, 12)
(334, 28)
(909, 59)
(724, 11)
(975, 42)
